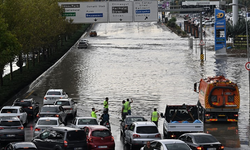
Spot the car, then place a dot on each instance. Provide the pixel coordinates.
(11, 129)
(61, 138)
(82, 44)
(127, 121)
(92, 33)
(81, 122)
(68, 105)
(20, 146)
(99, 137)
(46, 122)
(169, 144)
(53, 111)
(138, 133)
(16, 111)
(52, 95)
(201, 141)
(208, 23)
(29, 106)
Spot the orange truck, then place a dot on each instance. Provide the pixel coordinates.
(219, 99)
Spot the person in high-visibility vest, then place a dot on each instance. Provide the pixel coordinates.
(129, 105)
(124, 109)
(106, 104)
(93, 113)
(155, 117)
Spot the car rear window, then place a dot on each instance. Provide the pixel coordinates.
(49, 109)
(9, 111)
(47, 122)
(147, 129)
(205, 139)
(63, 103)
(87, 121)
(177, 146)
(130, 120)
(77, 135)
(53, 93)
(10, 123)
(101, 133)
(23, 103)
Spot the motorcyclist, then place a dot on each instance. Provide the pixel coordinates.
(104, 117)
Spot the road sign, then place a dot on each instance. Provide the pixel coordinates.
(120, 11)
(202, 43)
(145, 11)
(247, 66)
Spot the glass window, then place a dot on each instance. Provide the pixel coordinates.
(205, 139)
(9, 111)
(147, 129)
(23, 103)
(53, 93)
(49, 109)
(177, 146)
(45, 135)
(101, 133)
(10, 123)
(231, 98)
(47, 122)
(63, 103)
(87, 121)
(77, 135)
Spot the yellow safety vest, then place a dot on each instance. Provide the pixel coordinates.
(93, 114)
(125, 108)
(128, 104)
(154, 116)
(104, 103)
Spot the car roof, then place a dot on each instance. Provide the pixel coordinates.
(5, 118)
(48, 118)
(85, 118)
(168, 141)
(64, 129)
(20, 100)
(11, 107)
(97, 127)
(55, 90)
(194, 134)
(64, 99)
(144, 123)
(51, 106)
(24, 144)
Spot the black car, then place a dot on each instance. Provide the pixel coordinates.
(61, 138)
(201, 141)
(20, 146)
(128, 121)
(29, 106)
(53, 111)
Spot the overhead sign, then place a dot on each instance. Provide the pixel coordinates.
(120, 11)
(145, 11)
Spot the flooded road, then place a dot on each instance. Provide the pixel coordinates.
(151, 65)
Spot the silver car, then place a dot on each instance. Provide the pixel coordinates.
(68, 105)
(46, 122)
(168, 144)
(81, 122)
(52, 95)
(139, 133)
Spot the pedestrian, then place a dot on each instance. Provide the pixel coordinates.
(155, 117)
(93, 113)
(180, 24)
(124, 110)
(204, 33)
(106, 104)
(148, 146)
(129, 105)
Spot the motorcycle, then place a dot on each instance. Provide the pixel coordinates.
(107, 124)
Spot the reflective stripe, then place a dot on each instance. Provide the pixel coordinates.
(93, 114)
(154, 116)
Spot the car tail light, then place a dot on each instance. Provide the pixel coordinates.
(126, 126)
(37, 129)
(221, 147)
(45, 98)
(235, 115)
(30, 107)
(21, 128)
(18, 116)
(37, 116)
(199, 148)
(57, 115)
(65, 143)
(90, 140)
(136, 135)
(173, 136)
(1, 128)
(207, 115)
(112, 139)
(158, 135)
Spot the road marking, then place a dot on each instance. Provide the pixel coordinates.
(29, 94)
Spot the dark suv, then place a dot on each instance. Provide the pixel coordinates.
(29, 106)
(61, 138)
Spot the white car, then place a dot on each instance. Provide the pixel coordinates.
(208, 23)
(15, 111)
(169, 144)
(68, 105)
(52, 95)
(46, 122)
(81, 122)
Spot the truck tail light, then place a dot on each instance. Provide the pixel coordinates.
(235, 115)
(173, 136)
(207, 115)
(65, 143)
(136, 136)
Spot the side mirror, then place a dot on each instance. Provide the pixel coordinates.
(162, 115)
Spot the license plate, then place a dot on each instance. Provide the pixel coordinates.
(10, 135)
(102, 146)
(77, 148)
(211, 148)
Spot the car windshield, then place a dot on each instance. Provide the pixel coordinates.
(177, 146)
(10, 123)
(130, 120)
(63, 103)
(49, 109)
(101, 133)
(54, 93)
(87, 121)
(23, 103)
(47, 122)
(147, 129)
(9, 111)
(76, 135)
(205, 139)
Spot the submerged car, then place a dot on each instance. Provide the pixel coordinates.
(82, 44)
(81, 122)
(20, 146)
(29, 106)
(69, 106)
(52, 95)
(169, 144)
(93, 33)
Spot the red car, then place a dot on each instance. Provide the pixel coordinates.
(99, 137)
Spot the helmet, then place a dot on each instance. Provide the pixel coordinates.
(105, 110)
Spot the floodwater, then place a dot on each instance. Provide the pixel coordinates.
(151, 65)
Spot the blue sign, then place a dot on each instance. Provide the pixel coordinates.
(219, 30)
(143, 11)
(94, 15)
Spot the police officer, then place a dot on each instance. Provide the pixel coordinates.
(129, 105)
(106, 104)
(93, 113)
(155, 117)
(124, 109)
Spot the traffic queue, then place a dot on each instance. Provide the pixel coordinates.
(52, 130)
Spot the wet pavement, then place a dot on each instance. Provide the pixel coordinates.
(152, 65)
